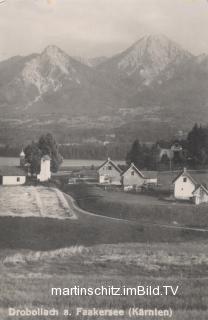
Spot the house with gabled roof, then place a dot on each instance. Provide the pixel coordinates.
(109, 173)
(133, 177)
(191, 185)
(10, 176)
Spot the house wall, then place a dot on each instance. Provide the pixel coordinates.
(107, 175)
(151, 180)
(183, 190)
(12, 180)
(200, 196)
(131, 180)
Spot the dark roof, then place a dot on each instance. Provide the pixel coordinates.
(200, 186)
(46, 157)
(142, 173)
(165, 178)
(149, 174)
(112, 163)
(133, 167)
(11, 171)
(198, 177)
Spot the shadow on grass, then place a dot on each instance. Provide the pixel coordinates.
(49, 234)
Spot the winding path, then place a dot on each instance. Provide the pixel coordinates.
(80, 213)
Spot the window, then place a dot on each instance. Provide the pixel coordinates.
(18, 179)
(184, 179)
(132, 173)
(109, 168)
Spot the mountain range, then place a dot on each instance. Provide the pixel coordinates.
(155, 73)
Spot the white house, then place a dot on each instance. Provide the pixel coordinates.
(45, 169)
(191, 185)
(200, 195)
(12, 176)
(109, 173)
(133, 177)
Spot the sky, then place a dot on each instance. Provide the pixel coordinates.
(92, 28)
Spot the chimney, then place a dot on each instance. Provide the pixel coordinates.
(184, 170)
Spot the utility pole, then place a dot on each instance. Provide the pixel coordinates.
(170, 164)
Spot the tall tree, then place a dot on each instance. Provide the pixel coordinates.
(48, 146)
(33, 156)
(136, 155)
(45, 146)
(197, 144)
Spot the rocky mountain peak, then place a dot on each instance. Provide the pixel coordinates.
(56, 58)
(151, 53)
(47, 70)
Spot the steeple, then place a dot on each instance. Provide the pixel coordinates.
(22, 158)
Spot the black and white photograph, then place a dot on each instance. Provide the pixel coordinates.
(103, 159)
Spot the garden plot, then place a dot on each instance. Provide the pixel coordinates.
(33, 201)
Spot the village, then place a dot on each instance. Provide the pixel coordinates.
(179, 186)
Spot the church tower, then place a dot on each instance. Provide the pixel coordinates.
(22, 159)
(45, 169)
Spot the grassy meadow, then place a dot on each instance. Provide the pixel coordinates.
(27, 277)
(38, 253)
(141, 208)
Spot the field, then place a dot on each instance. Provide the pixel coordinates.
(41, 249)
(33, 274)
(33, 201)
(142, 208)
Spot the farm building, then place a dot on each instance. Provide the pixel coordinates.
(135, 177)
(191, 185)
(12, 176)
(109, 173)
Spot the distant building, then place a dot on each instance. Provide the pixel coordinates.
(170, 151)
(45, 169)
(12, 176)
(133, 177)
(109, 173)
(191, 185)
(200, 194)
